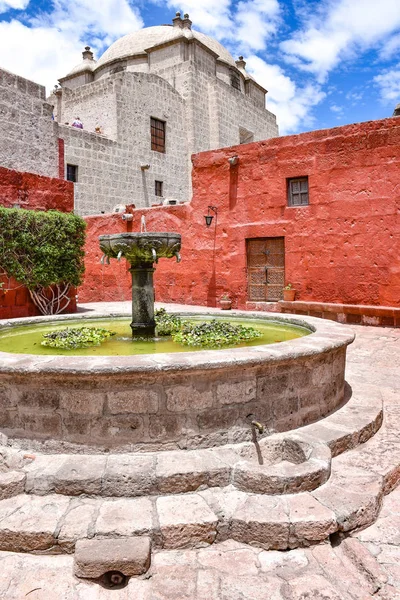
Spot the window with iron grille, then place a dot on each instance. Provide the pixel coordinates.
(235, 81)
(157, 135)
(297, 191)
(158, 185)
(72, 173)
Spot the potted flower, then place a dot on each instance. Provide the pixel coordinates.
(225, 302)
(289, 293)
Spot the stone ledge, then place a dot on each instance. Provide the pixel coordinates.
(379, 316)
(130, 556)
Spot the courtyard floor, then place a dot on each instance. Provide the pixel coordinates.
(365, 564)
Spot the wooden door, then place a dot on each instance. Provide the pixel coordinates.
(265, 269)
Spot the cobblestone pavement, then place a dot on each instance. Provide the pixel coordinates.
(364, 565)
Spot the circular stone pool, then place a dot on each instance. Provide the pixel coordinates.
(26, 339)
(165, 401)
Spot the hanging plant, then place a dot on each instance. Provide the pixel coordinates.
(44, 252)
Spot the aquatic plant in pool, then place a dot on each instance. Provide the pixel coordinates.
(76, 337)
(27, 339)
(214, 334)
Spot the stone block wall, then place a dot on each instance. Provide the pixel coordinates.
(109, 170)
(95, 104)
(28, 135)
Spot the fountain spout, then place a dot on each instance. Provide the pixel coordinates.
(143, 228)
(178, 257)
(255, 424)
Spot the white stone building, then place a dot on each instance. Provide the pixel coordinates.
(153, 99)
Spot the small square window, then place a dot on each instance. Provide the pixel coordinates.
(157, 128)
(72, 173)
(297, 190)
(158, 188)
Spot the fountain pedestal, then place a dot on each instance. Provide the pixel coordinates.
(142, 250)
(143, 323)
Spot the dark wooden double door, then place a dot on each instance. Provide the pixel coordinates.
(265, 269)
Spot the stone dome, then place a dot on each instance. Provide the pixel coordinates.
(150, 37)
(87, 64)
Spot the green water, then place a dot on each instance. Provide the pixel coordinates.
(27, 339)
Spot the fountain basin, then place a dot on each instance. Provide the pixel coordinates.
(139, 247)
(282, 465)
(171, 401)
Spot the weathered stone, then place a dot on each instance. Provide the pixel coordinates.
(135, 400)
(187, 471)
(33, 525)
(185, 521)
(130, 556)
(183, 397)
(82, 403)
(78, 522)
(262, 521)
(124, 517)
(310, 521)
(12, 483)
(230, 557)
(242, 391)
(129, 475)
(40, 474)
(315, 587)
(77, 476)
(365, 563)
(352, 510)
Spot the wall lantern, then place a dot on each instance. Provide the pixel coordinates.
(208, 218)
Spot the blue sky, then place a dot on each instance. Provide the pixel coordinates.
(324, 62)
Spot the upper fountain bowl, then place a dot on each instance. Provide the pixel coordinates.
(141, 247)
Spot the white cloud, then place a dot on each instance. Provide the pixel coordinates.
(390, 47)
(247, 27)
(6, 5)
(256, 21)
(389, 84)
(337, 109)
(211, 17)
(339, 30)
(291, 104)
(52, 45)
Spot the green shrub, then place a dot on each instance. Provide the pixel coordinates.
(44, 252)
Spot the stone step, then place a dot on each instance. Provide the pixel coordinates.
(351, 499)
(179, 471)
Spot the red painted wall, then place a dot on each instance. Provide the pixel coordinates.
(32, 192)
(344, 247)
(35, 192)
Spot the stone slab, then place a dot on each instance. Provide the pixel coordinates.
(130, 556)
(129, 475)
(124, 517)
(12, 483)
(186, 521)
(79, 475)
(33, 525)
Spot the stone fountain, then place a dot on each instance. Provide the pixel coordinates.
(141, 250)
